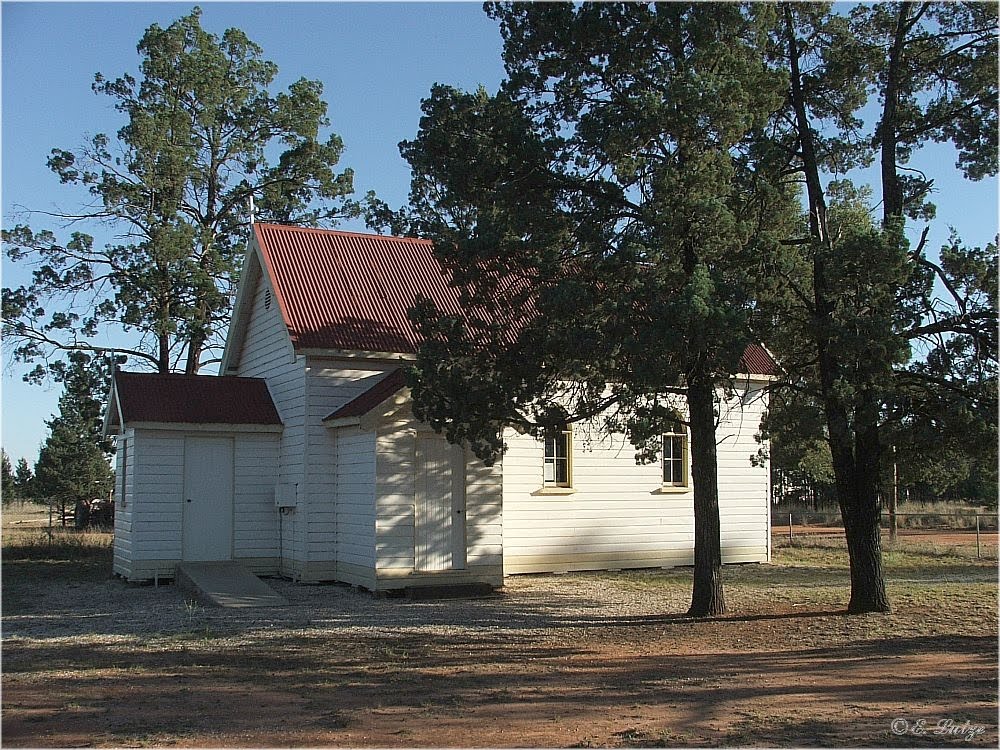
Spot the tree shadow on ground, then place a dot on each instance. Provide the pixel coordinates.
(337, 684)
(340, 666)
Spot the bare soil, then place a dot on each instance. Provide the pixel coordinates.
(556, 661)
(941, 537)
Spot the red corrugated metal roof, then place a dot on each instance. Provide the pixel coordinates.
(361, 405)
(757, 361)
(194, 399)
(342, 290)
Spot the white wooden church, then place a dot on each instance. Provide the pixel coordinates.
(303, 458)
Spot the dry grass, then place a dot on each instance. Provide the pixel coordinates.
(33, 554)
(59, 545)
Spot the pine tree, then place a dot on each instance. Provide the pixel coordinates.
(608, 210)
(8, 489)
(23, 478)
(73, 462)
(868, 295)
(203, 136)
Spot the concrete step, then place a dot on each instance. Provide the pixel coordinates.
(226, 584)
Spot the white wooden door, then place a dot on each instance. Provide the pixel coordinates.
(208, 499)
(439, 538)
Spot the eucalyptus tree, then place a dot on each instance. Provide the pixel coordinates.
(203, 136)
(611, 221)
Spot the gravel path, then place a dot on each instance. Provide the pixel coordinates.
(528, 607)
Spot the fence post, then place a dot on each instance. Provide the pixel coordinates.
(894, 499)
(790, 540)
(978, 552)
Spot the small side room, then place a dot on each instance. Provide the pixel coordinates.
(413, 510)
(196, 461)
(391, 505)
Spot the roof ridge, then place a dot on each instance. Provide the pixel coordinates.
(186, 375)
(344, 233)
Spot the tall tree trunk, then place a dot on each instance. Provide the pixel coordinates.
(887, 134)
(854, 447)
(163, 356)
(892, 195)
(707, 597)
(200, 326)
(195, 347)
(860, 509)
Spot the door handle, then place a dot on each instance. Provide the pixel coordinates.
(189, 499)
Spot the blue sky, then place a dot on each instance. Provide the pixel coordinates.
(376, 61)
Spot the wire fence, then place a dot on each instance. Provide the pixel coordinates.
(959, 528)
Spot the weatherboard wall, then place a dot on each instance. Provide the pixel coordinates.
(267, 353)
(151, 524)
(744, 479)
(361, 487)
(396, 507)
(618, 514)
(340, 472)
(124, 500)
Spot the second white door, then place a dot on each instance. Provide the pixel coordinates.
(439, 537)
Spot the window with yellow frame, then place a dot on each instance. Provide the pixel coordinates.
(675, 448)
(557, 468)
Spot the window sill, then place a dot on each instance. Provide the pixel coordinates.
(554, 491)
(672, 489)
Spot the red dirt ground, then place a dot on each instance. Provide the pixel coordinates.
(556, 661)
(762, 679)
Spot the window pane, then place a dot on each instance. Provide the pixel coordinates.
(556, 459)
(668, 471)
(676, 471)
(562, 471)
(673, 459)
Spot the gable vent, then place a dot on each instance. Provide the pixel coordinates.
(267, 299)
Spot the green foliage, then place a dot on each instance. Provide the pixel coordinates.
(798, 442)
(942, 414)
(73, 461)
(203, 135)
(935, 64)
(16, 480)
(8, 490)
(866, 298)
(607, 215)
(23, 479)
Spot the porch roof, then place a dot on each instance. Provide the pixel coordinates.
(192, 399)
